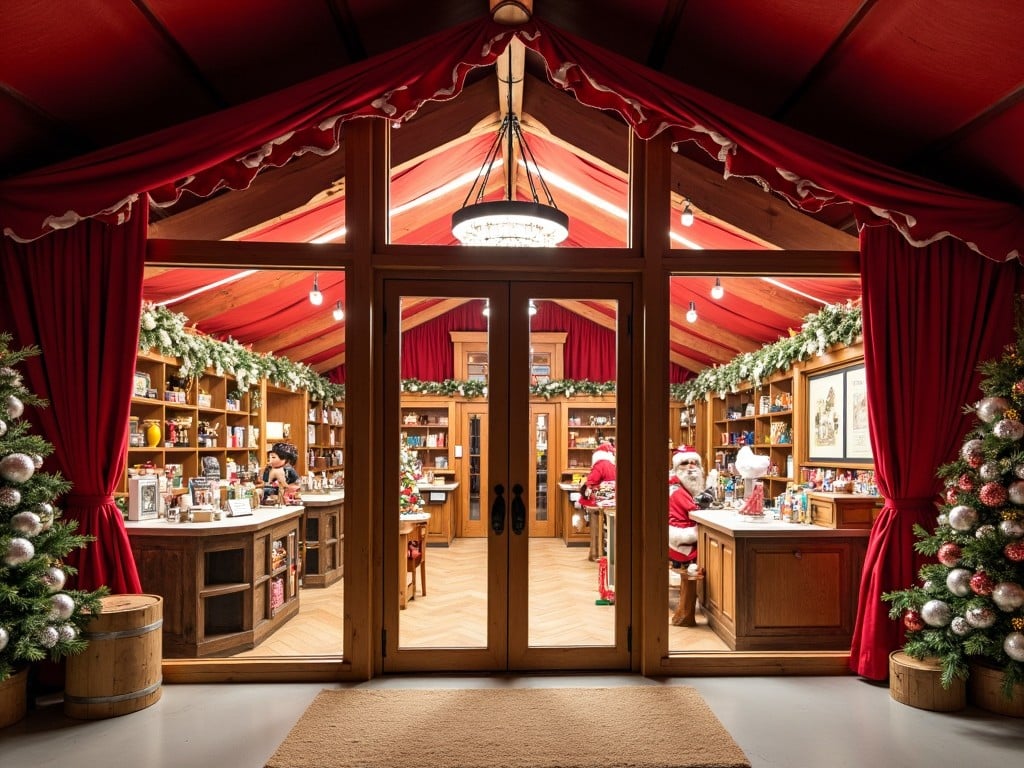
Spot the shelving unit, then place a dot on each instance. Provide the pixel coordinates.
(195, 422)
(760, 417)
(287, 408)
(325, 438)
(585, 424)
(427, 429)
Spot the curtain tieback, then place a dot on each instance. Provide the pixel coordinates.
(924, 503)
(88, 499)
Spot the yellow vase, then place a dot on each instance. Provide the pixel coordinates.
(153, 434)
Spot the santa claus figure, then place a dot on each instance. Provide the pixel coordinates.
(601, 480)
(687, 492)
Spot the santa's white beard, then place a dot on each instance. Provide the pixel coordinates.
(692, 480)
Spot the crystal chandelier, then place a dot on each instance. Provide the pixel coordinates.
(510, 222)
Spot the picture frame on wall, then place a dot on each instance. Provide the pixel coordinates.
(857, 439)
(826, 404)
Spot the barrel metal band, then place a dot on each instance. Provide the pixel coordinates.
(134, 632)
(114, 699)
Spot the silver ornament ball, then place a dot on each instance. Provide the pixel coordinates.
(1011, 529)
(958, 581)
(960, 626)
(942, 519)
(37, 461)
(54, 578)
(1008, 596)
(962, 517)
(27, 523)
(991, 408)
(61, 606)
(14, 407)
(972, 448)
(48, 637)
(989, 471)
(10, 497)
(3, 427)
(1013, 645)
(1016, 492)
(980, 617)
(67, 632)
(936, 613)
(984, 530)
(17, 468)
(5, 637)
(1019, 471)
(1008, 429)
(19, 551)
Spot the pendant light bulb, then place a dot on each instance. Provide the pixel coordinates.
(717, 291)
(691, 313)
(533, 308)
(687, 217)
(487, 309)
(339, 312)
(315, 297)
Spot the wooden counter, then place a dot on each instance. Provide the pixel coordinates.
(779, 586)
(323, 561)
(225, 584)
(439, 502)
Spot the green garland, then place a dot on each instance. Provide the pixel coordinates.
(834, 324)
(164, 331)
(473, 389)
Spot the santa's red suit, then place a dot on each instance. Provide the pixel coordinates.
(682, 531)
(602, 470)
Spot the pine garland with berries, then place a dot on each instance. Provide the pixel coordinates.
(39, 618)
(969, 605)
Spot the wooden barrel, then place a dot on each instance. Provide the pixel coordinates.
(985, 686)
(120, 670)
(916, 682)
(13, 698)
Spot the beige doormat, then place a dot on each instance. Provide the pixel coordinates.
(630, 727)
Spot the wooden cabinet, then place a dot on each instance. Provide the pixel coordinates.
(427, 429)
(284, 414)
(325, 438)
(226, 585)
(324, 529)
(844, 510)
(778, 586)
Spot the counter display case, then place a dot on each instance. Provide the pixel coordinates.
(324, 528)
(227, 584)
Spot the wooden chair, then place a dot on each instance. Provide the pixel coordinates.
(416, 556)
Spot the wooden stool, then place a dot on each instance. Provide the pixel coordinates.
(685, 614)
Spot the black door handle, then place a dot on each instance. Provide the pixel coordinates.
(498, 510)
(518, 510)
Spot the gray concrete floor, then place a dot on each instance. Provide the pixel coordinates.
(824, 722)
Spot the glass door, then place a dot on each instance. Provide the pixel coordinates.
(501, 585)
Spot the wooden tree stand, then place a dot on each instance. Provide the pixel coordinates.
(916, 683)
(986, 692)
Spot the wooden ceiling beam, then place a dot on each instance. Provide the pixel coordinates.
(238, 293)
(412, 319)
(701, 344)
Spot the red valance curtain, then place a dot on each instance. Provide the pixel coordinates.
(228, 148)
(77, 295)
(930, 316)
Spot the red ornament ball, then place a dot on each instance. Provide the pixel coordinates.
(965, 483)
(992, 494)
(951, 494)
(949, 553)
(912, 621)
(1014, 551)
(982, 583)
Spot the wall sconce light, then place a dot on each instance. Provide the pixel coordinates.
(691, 313)
(687, 217)
(717, 291)
(315, 297)
(487, 309)
(533, 308)
(339, 312)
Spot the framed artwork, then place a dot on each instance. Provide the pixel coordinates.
(826, 402)
(857, 442)
(143, 497)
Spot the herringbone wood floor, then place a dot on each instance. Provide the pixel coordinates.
(563, 588)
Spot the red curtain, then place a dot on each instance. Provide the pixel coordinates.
(930, 316)
(227, 149)
(77, 295)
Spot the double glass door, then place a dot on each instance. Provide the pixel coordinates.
(520, 572)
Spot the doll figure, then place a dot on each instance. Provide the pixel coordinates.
(280, 475)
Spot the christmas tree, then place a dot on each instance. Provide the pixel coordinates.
(410, 501)
(39, 619)
(970, 604)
